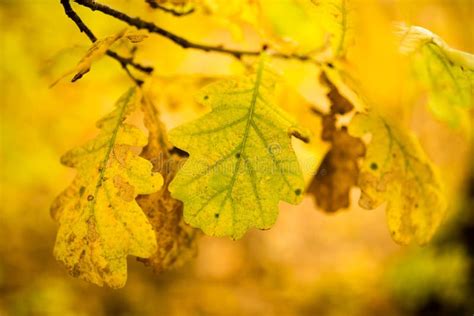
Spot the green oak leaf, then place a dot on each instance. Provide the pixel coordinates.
(241, 160)
(450, 86)
(446, 73)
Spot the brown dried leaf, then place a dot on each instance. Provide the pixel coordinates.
(339, 169)
(338, 172)
(176, 240)
(339, 104)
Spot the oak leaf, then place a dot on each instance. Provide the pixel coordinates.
(98, 50)
(241, 160)
(447, 73)
(176, 241)
(339, 170)
(397, 171)
(336, 18)
(100, 223)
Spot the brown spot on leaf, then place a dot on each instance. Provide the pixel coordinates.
(124, 189)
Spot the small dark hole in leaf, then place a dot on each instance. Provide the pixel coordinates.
(237, 155)
(330, 65)
(90, 197)
(298, 191)
(81, 191)
(216, 215)
(374, 166)
(206, 97)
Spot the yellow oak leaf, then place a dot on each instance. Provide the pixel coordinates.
(336, 18)
(100, 223)
(397, 171)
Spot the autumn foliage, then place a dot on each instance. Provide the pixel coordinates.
(229, 112)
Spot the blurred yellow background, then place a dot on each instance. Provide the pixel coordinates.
(309, 263)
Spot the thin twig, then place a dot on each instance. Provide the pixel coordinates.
(137, 81)
(154, 5)
(124, 61)
(181, 41)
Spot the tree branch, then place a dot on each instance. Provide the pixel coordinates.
(154, 5)
(124, 61)
(184, 43)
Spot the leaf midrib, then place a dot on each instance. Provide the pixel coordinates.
(343, 27)
(240, 149)
(242, 145)
(406, 155)
(110, 146)
(442, 58)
